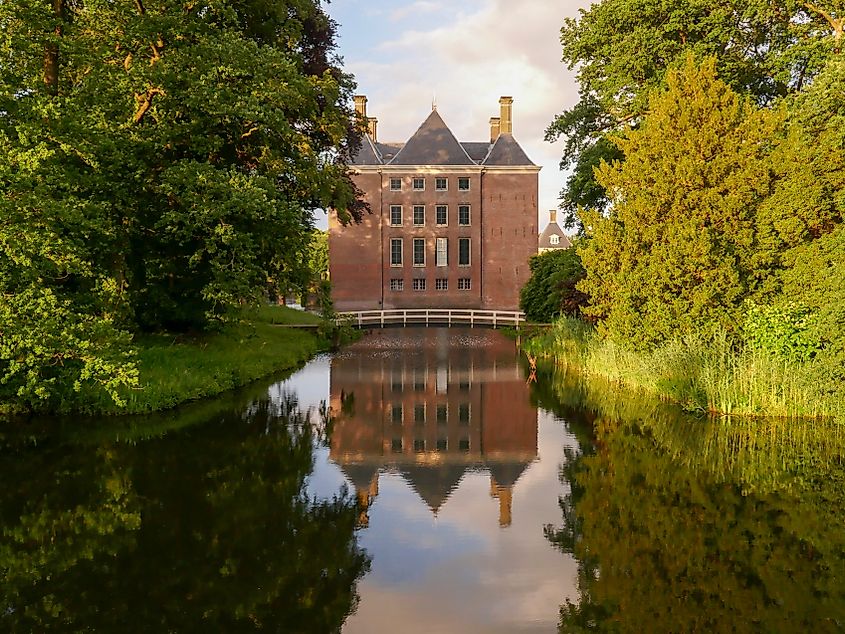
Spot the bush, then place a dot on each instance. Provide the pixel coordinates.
(551, 291)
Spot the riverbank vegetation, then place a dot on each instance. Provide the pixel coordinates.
(159, 168)
(712, 242)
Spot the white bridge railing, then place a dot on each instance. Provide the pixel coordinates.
(432, 317)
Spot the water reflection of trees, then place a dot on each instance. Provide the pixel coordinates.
(206, 529)
(684, 525)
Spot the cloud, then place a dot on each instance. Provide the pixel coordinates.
(468, 58)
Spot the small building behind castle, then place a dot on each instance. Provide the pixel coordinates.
(553, 237)
(453, 223)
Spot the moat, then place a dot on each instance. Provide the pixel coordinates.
(423, 480)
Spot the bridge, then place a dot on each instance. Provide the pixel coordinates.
(432, 317)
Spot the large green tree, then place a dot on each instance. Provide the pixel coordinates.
(622, 50)
(677, 250)
(160, 165)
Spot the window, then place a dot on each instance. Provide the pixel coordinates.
(463, 386)
(396, 414)
(396, 445)
(396, 252)
(441, 284)
(442, 414)
(396, 215)
(419, 413)
(396, 184)
(441, 184)
(442, 444)
(463, 184)
(419, 284)
(441, 213)
(463, 215)
(464, 284)
(419, 215)
(397, 386)
(419, 252)
(463, 251)
(463, 414)
(397, 285)
(463, 444)
(441, 254)
(419, 184)
(419, 445)
(554, 239)
(442, 379)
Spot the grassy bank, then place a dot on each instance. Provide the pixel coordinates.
(699, 374)
(179, 369)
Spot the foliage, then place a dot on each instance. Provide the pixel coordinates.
(676, 252)
(785, 331)
(551, 290)
(623, 49)
(160, 164)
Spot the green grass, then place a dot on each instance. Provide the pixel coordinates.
(700, 374)
(179, 369)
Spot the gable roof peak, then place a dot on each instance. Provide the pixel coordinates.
(432, 144)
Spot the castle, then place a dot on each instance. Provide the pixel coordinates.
(453, 223)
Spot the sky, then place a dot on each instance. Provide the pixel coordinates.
(465, 55)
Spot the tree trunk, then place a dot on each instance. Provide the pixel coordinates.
(51, 52)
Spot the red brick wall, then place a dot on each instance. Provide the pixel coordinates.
(509, 236)
(355, 262)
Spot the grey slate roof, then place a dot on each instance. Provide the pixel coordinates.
(545, 238)
(432, 144)
(477, 151)
(367, 153)
(434, 484)
(507, 152)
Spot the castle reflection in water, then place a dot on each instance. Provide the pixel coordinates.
(441, 403)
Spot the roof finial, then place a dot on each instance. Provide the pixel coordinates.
(434, 101)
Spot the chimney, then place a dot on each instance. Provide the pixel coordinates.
(495, 124)
(360, 106)
(506, 108)
(372, 128)
(553, 215)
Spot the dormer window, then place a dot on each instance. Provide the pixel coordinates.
(555, 239)
(396, 184)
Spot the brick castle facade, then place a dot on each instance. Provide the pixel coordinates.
(453, 224)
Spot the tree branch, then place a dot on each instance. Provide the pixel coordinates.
(837, 25)
(145, 101)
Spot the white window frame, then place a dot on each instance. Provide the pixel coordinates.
(419, 224)
(441, 252)
(469, 215)
(419, 284)
(468, 241)
(414, 184)
(414, 255)
(397, 285)
(401, 215)
(463, 189)
(437, 209)
(401, 252)
(554, 239)
(438, 180)
(397, 182)
(465, 284)
(441, 284)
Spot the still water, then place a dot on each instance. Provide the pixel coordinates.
(423, 480)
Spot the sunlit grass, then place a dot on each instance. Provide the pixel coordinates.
(700, 374)
(177, 369)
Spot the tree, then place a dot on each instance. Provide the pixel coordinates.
(676, 251)
(623, 50)
(551, 291)
(160, 165)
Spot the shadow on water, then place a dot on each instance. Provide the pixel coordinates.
(208, 529)
(684, 524)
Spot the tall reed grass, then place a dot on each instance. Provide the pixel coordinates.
(701, 373)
